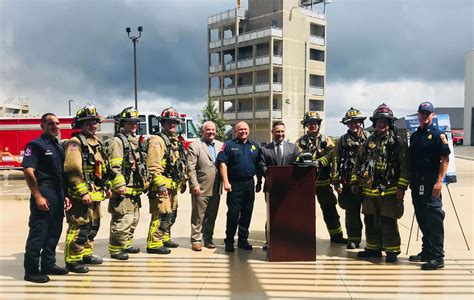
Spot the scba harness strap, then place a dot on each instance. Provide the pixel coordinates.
(176, 170)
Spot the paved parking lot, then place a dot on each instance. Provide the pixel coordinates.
(337, 273)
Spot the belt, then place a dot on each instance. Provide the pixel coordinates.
(54, 186)
(243, 179)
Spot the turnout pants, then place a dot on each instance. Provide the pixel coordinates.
(203, 217)
(352, 204)
(163, 212)
(239, 210)
(80, 235)
(125, 212)
(45, 231)
(327, 201)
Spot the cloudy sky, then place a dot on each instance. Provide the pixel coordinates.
(397, 51)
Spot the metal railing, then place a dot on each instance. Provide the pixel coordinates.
(227, 15)
(312, 14)
(245, 89)
(230, 66)
(262, 60)
(261, 33)
(215, 44)
(277, 59)
(317, 40)
(229, 41)
(229, 91)
(245, 63)
(215, 92)
(215, 68)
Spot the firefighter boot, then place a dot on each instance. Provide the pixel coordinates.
(132, 250)
(369, 253)
(119, 256)
(77, 267)
(92, 260)
(160, 250)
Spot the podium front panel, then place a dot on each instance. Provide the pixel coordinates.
(291, 215)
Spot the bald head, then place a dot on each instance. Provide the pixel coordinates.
(208, 131)
(242, 131)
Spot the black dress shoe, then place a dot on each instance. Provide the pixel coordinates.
(77, 267)
(54, 270)
(245, 245)
(229, 247)
(119, 255)
(92, 260)
(420, 257)
(209, 245)
(161, 250)
(170, 244)
(369, 253)
(36, 278)
(433, 264)
(132, 250)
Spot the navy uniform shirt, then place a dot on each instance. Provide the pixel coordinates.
(46, 156)
(427, 145)
(241, 159)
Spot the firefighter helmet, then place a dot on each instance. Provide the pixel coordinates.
(382, 112)
(129, 114)
(170, 114)
(311, 116)
(88, 112)
(353, 114)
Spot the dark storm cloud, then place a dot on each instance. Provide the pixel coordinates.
(54, 49)
(87, 40)
(390, 40)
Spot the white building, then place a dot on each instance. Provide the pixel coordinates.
(469, 99)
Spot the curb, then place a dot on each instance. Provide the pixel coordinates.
(464, 157)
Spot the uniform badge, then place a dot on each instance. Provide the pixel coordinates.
(72, 146)
(372, 145)
(444, 139)
(253, 148)
(28, 151)
(430, 136)
(48, 152)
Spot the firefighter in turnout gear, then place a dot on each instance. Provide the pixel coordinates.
(342, 164)
(127, 162)
(382, 171)
(321, 148)
(166, 162)
(86, 172)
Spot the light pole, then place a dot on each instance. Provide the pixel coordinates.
(69, 105)
(135, 40)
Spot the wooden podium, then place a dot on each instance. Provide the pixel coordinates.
(291, 216)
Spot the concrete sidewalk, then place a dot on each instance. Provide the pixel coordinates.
(184, 274)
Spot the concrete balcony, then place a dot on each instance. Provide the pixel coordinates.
(229, 91)
(245, 89)
(262, 114)
(229, 115)
(227, 16)
(215, 68)
(276, 114)
(215, 92)
(317, 40)
(262, 87)
(262, 60)
(245, 63)
(258, 34)
(245, 114)
(277, 87)
(229, 41)
(277, 59)
(316, 90)
(230, 66)
(215, 44)
(312, 14)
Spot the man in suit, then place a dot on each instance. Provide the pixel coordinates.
(277, 153)
(205, 186)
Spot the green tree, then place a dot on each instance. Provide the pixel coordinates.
(210, 113)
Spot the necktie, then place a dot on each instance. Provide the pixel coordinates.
(279, 155)
(212, 151)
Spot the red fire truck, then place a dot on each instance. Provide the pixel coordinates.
(15, 133)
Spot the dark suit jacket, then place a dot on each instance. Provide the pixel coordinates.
(268, 156)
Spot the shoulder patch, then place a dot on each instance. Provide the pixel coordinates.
(372, 144)
(444, 139)
(28, 151)
(72, 146)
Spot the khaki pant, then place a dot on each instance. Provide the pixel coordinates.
(125, 214)
(203, 217)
